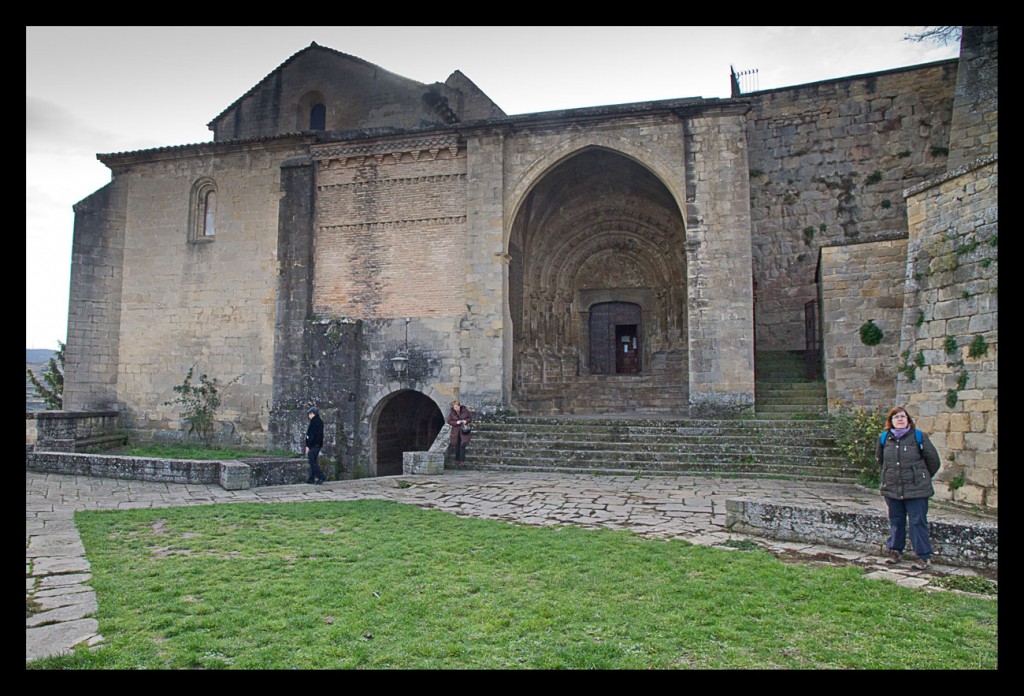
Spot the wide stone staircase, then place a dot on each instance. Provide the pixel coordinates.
(628, 444)
(782, 390)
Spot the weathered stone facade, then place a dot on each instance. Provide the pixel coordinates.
(828, 165)
(950, 320)
(862, 283)
(606, 259)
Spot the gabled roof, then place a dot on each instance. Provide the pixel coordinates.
(312, 46)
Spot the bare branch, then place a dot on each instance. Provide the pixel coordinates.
(939, 35)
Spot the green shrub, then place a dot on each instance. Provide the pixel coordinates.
(870, 334)
(856, 431)
(51, 389)
(909, 368)
(952, 396)
(979, 347)
(198, 405)
(950, 345)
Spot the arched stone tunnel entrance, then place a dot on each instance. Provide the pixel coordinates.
(408, 421)
(597, 253)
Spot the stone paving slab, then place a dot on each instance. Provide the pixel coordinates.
(689, 508)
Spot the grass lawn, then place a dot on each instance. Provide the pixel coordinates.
(380, 585)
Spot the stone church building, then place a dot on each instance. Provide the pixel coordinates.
(376, 246)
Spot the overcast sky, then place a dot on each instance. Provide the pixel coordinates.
(96, 90)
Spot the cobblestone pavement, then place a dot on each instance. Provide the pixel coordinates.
(678, 507)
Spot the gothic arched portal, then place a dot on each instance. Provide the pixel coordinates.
(598, 230)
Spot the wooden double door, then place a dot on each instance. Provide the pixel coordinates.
(615, 333)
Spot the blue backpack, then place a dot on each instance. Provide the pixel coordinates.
(917, 436)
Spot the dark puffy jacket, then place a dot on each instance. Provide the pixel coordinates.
(315, 432)
(905, 473)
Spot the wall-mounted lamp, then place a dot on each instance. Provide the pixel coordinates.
(400, 362)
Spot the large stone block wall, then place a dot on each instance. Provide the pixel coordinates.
(720, 297)
(975, 129)
(828, 164)
(950, 319)
(483, 329)
(207, 304)
(94, 319)
(861, 283)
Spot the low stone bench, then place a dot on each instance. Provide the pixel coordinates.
(957, 542)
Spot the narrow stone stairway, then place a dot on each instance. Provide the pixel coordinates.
(782, 390)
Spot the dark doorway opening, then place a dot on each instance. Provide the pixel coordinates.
(409, 422)
(615, 344)
(627, 357)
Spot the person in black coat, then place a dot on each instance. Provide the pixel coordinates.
(314, 442)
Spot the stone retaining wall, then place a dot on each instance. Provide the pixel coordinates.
(231, 475)
(959, 543)
(74, 431)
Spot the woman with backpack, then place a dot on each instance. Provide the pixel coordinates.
(908, 460)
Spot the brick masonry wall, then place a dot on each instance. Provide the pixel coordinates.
(857, 286)
(391, 230)
(828, 164)
(951, 304)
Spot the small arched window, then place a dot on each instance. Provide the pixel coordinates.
(202, 224)
(318, 117)
(311, 112)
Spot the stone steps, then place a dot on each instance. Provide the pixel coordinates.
(781, 386)
(638, 444)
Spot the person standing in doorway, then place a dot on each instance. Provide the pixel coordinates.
(459, 418)
(314, 442)
(908, 460)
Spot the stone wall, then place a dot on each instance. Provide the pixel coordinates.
(391, 229)
(975, 129)
(208, 303)
(356, 94)
(718, 261)
(828, 164)
(967, 543)
(950, 320)
(76, 431)
(91, 361)
(858, 286)
(230, 475)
